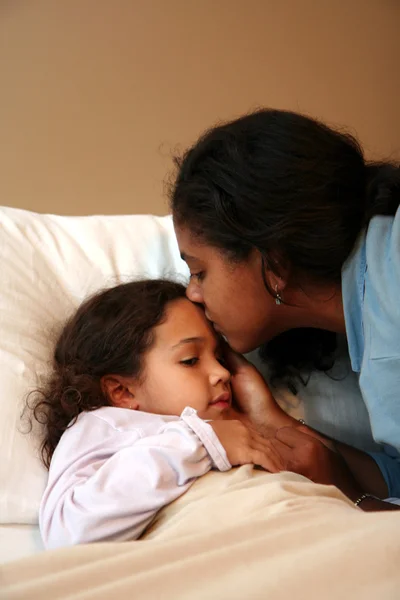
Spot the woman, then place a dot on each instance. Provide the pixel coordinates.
(291, 236)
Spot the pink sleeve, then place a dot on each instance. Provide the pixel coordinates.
(208, 438)
(115, 499)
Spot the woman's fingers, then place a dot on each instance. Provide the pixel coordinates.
(261, 451)
(283, 450)
(291, 436)
(261, 438)
(233, 359)
(267, 462)
(271, 456)
(273, 449)
(318, 436)
(302, 436)
(275, 453)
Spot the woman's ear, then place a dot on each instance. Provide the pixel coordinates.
(276, 271)
(119, 391)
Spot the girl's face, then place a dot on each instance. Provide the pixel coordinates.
(184, 367)
(233, 294)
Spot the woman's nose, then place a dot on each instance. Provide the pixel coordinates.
(193, 292)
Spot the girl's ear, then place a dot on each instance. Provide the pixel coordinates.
(119, 391)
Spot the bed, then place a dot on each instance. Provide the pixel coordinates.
(19, 541)
(250, 533)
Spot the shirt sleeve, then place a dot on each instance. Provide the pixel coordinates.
(390, 469)
(383, 403)
(380, 370)
(115, 499)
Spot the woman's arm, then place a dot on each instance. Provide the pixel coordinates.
(304, 450)
(354, 472)
(364, 469)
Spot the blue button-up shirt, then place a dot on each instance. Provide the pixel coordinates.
(371, 300)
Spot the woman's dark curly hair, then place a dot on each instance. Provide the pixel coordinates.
(109, 334)
(292, 188)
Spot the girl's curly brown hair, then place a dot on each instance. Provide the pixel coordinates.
(109, 334)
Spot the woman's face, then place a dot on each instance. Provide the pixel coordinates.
(233, 293)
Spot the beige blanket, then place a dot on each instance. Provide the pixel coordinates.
(239, 535)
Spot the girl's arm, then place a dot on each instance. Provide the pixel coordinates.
(115, 497)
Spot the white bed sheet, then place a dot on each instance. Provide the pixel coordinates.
(18, 541)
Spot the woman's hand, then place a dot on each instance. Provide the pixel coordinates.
(309, 454)
(245, 446)
(253, 396)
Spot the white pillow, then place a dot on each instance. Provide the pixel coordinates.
(48, 264)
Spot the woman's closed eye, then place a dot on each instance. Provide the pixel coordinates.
(199, 276)
(222, 360)
(190, 362)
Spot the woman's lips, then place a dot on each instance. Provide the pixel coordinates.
(215, 325)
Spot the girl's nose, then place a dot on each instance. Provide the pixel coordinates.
(219, 373)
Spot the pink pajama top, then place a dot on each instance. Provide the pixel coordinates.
(115, 468)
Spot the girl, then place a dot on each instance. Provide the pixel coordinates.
(139, 405)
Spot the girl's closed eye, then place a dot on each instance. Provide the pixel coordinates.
(190, 362)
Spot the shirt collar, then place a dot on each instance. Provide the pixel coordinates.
(353, 283)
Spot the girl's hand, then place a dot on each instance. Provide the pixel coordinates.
(245, 446)
(253, 396)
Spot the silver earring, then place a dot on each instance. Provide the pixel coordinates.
(278, 297)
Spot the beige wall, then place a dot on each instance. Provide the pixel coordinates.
(96, 94)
